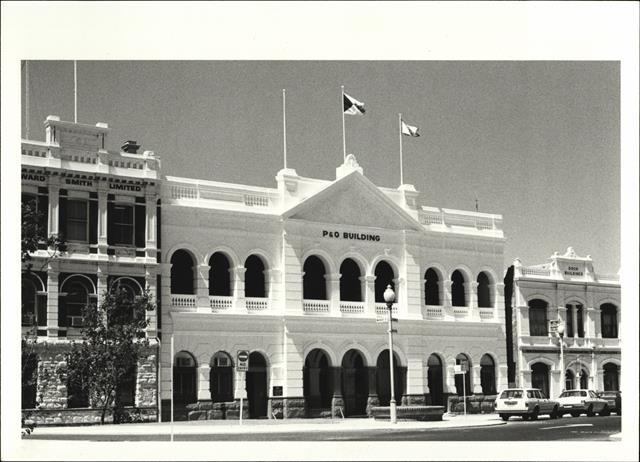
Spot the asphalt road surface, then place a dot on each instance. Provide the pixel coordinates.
(567, 428)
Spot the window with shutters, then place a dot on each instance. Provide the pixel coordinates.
(123, 226)
(77, 220)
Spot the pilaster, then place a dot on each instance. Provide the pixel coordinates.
(150, 235)
(239, 303)
(202, 288)
(52, 298)
(369, 295)
(333, 285)
(54, 207)
(204, 392)
(102, 219)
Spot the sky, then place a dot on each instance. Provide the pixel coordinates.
(535, 141)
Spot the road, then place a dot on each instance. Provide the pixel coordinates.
(567, 428)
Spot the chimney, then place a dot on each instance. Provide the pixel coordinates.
(131, 147)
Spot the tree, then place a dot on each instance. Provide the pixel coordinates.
(34, 236)
(113, 342)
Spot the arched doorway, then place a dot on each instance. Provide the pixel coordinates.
(569, 380)
(221, 378)
(487, 375)
(257, 385)
(355, 383)
(383, 380)
(464, 361)
(611, 377)
(540, 377)
(317, 380)
(185, 389)
(435, 380)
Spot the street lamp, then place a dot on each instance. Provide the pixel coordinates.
(560, 332)
(389, 297)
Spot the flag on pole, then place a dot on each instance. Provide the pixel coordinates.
(352, 106)
(409, 130)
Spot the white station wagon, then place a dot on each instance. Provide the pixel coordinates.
(576, 402)
(525, 402)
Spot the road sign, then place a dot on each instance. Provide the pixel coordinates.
(553, 326)
(243, 361)
(384, 317)
(460, 368)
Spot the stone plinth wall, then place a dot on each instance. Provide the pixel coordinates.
(422, 413)
(476, 404)
(208, 410)
(287, 408)
(85, 416)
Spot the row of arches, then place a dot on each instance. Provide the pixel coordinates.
(575, 319)
(575, 377)
(315, 279)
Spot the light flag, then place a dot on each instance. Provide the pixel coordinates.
(409, 130)
(352, 106)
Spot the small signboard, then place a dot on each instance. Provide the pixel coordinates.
(242, 364)
(457, 369)
(277, 390)
(384, 317)
(553, 326)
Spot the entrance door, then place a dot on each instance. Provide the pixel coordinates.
(540, 377)
(257, 386)
(355, 384)
(435, 380)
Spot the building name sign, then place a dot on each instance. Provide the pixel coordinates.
(33, 177)
(125, 187)
(352, 236)
(77, 182)
(573, 271)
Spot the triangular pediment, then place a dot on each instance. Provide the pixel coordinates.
(353, 200)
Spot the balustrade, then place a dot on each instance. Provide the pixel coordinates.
(433, 312)
(352, 308)
(256, 304)
(220, 303)
(184, 302)
(315, 306)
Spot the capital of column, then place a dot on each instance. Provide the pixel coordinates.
(332, 277)
(562, 309)
(273, 274)
(447, 283)
(368, 279)
(165, 269)
(53, 266)
(472, 284)
(500, 288)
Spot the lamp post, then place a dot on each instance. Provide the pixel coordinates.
(560, 332)
(389, 298)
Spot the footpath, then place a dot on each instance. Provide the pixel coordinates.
(261, 426)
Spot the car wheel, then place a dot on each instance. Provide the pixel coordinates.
(605, 411)
(590, 412)
(554, 413)
(504, 417)
(525, 416)
(535, 413)
(575, 414)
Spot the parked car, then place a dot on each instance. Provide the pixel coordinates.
(614, 398)
(525, 402)
(576, 402)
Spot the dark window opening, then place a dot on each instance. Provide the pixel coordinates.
(435, 380)
(317, 380)
(431, 288)
(122, 226)
(126, 389)
(383, 379)
(538, 318)
(463, 360)
(254, 278)
(540, 377)
(314, 284)
(609, 320)
(384, 277)
(350, 285)
(185, 389)
(29, 380)
(219, 276)
(77, 220)
(611, 377)
(484, 293)
(487, 375)
(182, 273)
(457, 289)
(221, 378)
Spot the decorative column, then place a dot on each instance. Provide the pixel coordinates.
(401, 303)
(476, 384)
(449, 379)
(273, 277)
(52, 298)
(372, 399)
(369, 295)
(471, 294)
(446, 299)
(204, 393)
(151, 225)
(590, 325)
(102, 219)
(523, 321)
(598, 323)
(498, 301)
(54, 204)
(239, 303)
(337, 403)
(333, 286)
(202, 288)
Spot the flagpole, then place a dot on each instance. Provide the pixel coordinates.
(344, 143)
(284, 124)
(75, 91)
(400, 137)
(26, 97)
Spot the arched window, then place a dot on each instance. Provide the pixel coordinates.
(314, 284)
(75, 296)
(185, 389)
(484, 293)
(435, 380)
(538, 318)
(254, 280)
(350, 285)
(29, 299)
(383, 382)
(182, 273)
(457, 289)
(540, 377)
(609, 320)
(611, 377)
(219, 276)
(125, 290)
(487, 375)
(569, 380)
(316, 378)
(580, 321)
(384, 277)
(431, 287)
(221, 378)
(29, 380)
(464, 361)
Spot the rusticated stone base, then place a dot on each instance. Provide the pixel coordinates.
(476, 404)
(286, 408)
(86, 416)
(421, 413)
(208, 410)
(413, 400)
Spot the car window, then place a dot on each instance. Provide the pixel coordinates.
(592, 394)
(511, 394)
(567, 394)
(583, 393)
(530, 394)
(542, 395)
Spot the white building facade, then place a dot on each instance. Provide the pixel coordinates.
(295, 274)
(566, 292)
